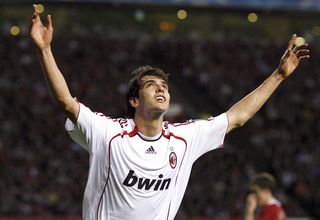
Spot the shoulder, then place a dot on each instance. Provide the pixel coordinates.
(212, 120)
(274, 203)
(102, 118)
(121, 123)
(209, 124)
(183, 129)
(275, 209)
(178, 125)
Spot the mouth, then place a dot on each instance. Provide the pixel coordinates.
(160, 98)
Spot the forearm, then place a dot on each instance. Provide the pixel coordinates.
(249, 215)
(56, 83)
(247, 107)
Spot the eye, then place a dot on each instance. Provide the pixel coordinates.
(149, 84)
(165, 86)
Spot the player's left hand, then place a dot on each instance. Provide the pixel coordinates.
(251, 203)
(292, 57)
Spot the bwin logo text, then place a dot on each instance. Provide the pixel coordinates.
(147, 184)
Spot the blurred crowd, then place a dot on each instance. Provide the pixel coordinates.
(43, 172)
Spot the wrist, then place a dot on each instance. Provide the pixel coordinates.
(279, 75)
(44, 50)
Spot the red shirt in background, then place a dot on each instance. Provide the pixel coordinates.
(272, 211)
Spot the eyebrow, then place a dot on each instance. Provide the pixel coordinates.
(152, 80)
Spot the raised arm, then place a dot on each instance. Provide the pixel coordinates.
(246, 108)
(42, 37)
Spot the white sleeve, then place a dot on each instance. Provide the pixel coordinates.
(209, 134)
(90, 130)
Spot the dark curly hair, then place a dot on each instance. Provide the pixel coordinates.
(135, 84)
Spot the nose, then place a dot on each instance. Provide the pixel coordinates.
(159, 88)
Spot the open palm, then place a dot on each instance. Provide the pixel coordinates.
(40, 34)
(292, 57)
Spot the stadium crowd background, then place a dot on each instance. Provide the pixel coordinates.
(43, 172)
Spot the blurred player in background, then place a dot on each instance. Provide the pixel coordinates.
(263, 187)
(140, 165)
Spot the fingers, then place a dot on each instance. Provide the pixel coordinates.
(302, 52)
(35, 13)
(304, 57)
(34, 7)
(300, 47)
(291, 42)
(286, 54)
(252, 200)
(49, 22)
(34, 20)
(252, 196)
(35, 16)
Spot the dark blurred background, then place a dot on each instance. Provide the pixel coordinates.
(216, 52)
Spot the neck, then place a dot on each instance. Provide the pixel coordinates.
(149, 126)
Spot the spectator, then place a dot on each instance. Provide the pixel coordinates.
(263, 188)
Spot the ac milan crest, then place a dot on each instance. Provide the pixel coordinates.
(173, 160)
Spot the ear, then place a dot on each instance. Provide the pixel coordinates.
(134, 102)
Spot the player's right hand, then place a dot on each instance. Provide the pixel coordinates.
(40, 34)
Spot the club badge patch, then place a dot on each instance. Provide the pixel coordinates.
(173, 160)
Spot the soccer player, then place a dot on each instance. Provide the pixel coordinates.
(140, 165)
(263, 188)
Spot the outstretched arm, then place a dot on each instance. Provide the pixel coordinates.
(246, 108)
(42, 37)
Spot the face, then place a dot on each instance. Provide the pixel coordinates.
(260, 194)
(153, 98)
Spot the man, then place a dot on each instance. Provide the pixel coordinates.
(263, 186)
(140, 165)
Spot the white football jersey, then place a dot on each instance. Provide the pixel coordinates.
(134, 177)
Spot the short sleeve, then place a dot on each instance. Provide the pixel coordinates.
(209, 134)
(90, 130)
